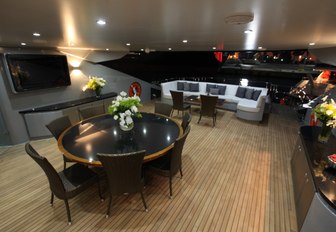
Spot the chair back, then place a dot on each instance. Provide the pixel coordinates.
(163, 108)
(177, 99)
(123, 171)
(57, 126)
(91, 111)
(186, 119)
(55, 182)
(176, 153)
(208, 105)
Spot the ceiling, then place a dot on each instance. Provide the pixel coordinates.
(162, 24)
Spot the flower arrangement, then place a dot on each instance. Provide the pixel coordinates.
(326, 112)
(124, 108)
(95, 83)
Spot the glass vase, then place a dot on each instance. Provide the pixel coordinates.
(98, 92)
(325, 133)
(124, 128)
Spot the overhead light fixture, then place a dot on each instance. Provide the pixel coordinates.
(142, 49)
(36, 34)
(260, 48)
(239, 18)
(101, 22)
(23, 44)
(128, 44)
(169, 49)
(214, 48)
(107, 49)
(248, 31)
(185, 41)
(311, 44)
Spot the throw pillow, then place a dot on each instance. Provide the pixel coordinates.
(222, 89)
(209, 86)
(180, 85)
(194, 87)
(214, 91)
(256, 94)
(240, 92)
(186, 86)
(249, 93)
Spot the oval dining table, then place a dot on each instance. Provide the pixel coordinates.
(154, 133)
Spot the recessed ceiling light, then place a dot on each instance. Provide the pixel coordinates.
(23, 44)
(214, 48)
(36, 34)
(260, 47)
(248, 31)
(169, 49)
(101, 22)
(128, 44)
(142, 49)
(312, 44)
(107, 49)
(185, 41)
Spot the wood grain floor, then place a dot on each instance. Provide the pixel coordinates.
(236, 178)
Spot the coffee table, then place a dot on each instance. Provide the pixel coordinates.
(196, 100)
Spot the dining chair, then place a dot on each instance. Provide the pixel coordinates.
(178, 102)
(163, 108)
(208, 107)
(67, 183)
(124, 174)
(186, 119)
(56, 127)
(91, 111)
(169, 164)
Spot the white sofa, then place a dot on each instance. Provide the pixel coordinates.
(247, 109)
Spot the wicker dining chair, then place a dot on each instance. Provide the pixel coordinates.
(91, 111)
(169, 164)
(186, 119)
(163, 108)
(208, 107)
(56, 127)
(178, 102)
(124, 174)
(67, 183)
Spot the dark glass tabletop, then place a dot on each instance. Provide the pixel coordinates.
(153, 133)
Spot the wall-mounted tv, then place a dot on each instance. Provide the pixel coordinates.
(37, 71)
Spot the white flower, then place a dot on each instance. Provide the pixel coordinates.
(123, 94)
(134, 109)
(128, 112)
(329, 112)
(122, 123)
(129, 120)
(122, 115)
(119, 98)
(117, 104)
(115, 117)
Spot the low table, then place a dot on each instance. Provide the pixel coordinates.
(196, 100)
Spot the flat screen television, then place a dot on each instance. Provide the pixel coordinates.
(37, 71)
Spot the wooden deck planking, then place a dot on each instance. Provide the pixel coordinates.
(236, 178)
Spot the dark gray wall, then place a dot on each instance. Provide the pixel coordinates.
(11, 104)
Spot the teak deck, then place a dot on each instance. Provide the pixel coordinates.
(237, 177)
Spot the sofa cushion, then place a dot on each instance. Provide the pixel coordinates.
(256, 94)
(186, 86)
(194, 87)
(222, 89)
(249, 93)
(240, 92)
(180, 85)
(214, 91)
(209, 86)
(248, 105)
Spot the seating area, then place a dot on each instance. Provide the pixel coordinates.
(247, 102)
(219, 178)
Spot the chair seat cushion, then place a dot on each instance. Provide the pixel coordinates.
(77, 176)
(160, 166)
